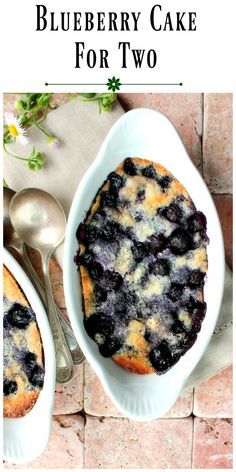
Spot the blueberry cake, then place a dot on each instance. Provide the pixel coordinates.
(23, 371)
(142, 260)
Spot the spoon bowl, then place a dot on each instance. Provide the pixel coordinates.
(38, 218)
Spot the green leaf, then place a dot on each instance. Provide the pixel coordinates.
(9, 139)
(23, 118)
(111, 97)
(36, 160)
(87, 95)
(31, 100)
(43, 99)
(105, 106)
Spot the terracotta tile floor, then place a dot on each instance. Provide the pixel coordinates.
(88, 431)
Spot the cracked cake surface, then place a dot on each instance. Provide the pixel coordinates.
(23, 369)
(143, 261)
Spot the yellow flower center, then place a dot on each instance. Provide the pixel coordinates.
(14, 132)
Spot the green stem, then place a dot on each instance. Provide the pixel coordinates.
(14, 155)
(33, 113)
(41, 129)
(44, 116)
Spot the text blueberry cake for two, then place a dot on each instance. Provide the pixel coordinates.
(23, 372)
(143, 261)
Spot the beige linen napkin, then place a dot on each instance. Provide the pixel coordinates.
(81, 131)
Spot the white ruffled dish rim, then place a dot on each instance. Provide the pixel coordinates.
(146, 134)
(26, 438)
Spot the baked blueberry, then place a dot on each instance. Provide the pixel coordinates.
(199, 314)
(188, 341)
(81, 232)
(157, 243)
(130, 299)
(177, 327)
(9, 387)
(86, 259)
(196, 307)
(172, 212)
(160, 357)
(148, 335)
(95, 270)
(145, 277)
(110, 346)
(29, 360)
(99, 216)
(101, 294)
(129, 167)
(192, 305)
(175, 291)
(164, 181)
(179, 242)
(107, 199)
(110, 230)
(99, 323)
(116, 182)
(36, 376)
(138, 216)
(197, 221)
(140, 250)
(113, 280)
(91, 234)
(198, 311)
(196, 278)
(140, 195)
(149, 172)
(160, 267)
(77, 259)
(20, 316)
(125, 301)
(120, 308)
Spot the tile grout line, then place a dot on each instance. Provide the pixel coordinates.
(203, 124)
(193, 416)
(85, 417)
(193, 400)
(192, 444)
(221, 194)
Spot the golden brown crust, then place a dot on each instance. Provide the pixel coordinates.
(11, 289)
(87, 291)
(17, 409)
(136, 364)
(136, 359)
(20, 403)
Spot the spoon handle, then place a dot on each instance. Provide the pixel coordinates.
(76, 353)
(64, 362)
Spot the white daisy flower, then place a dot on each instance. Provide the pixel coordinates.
(15, 128)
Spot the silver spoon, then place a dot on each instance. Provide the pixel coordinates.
(13, 241)
(40, 222)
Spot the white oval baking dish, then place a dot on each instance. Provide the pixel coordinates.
(147, 134)
(26, 438)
